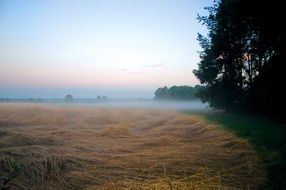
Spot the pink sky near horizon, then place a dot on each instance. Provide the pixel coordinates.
(94, 44)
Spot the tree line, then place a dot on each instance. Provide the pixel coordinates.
(242, 62)
(183, 93)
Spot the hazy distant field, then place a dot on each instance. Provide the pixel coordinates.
(77, 147)
(194, 105)
(149, 103)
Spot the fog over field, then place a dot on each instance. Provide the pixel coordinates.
(194, 105)
(150, 104)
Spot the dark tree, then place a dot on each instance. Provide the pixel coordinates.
(68, 98)
(177, 93)
(242, 61)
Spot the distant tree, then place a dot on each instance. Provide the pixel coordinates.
(68, 98)
(161, 93)
(101, 98)
(176, 93)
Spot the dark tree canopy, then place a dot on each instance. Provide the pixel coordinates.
(242, 62)
(177, 93)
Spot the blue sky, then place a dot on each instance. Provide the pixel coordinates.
(118, 48)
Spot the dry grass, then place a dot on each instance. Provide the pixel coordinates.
(63, 147)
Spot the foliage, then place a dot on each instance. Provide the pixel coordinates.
(177, 93)
(242, 59)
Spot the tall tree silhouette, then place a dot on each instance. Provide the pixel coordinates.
(242, 61)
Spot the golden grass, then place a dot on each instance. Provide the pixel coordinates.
(65, 147)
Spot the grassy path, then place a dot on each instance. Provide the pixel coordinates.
(267, 137)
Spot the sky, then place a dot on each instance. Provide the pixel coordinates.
(117, 48)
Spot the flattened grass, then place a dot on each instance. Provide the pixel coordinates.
(66, 147)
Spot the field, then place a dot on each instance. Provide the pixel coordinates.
(73, 147)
